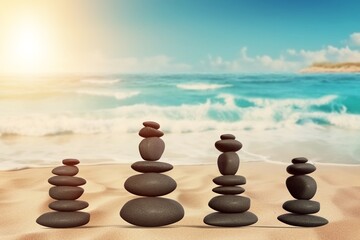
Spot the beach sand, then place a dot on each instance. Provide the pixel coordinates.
(24, 197)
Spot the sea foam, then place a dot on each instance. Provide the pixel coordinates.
(201, 86)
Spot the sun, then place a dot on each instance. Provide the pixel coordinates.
(28, 46)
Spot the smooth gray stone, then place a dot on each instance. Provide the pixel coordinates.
(228, 190)
(66, 181)
(302, 220)
(63, 219)
(151, 124)
(300, 168)
(229, 180)
(151, 149)
(65, 171)
(228, 145)
(66, 192)
(147, 166)
(230, 219)
(302, 206)
(299, 160)
(230, 204)
(301, 186)
(152, 212)
(228, 163)
(227, 136)
(68, 205)
(147, 132)
(70, 161)
(150, 184)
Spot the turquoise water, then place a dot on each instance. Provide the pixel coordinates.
(189, 103)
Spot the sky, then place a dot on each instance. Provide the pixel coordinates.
(116, 36)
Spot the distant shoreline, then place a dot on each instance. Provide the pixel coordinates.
(332, 68)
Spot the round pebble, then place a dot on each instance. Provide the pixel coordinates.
(227, 136)
(230, 204)
(70, 162)
(228, 145)
(302, 220)
(300, 168)
(230, 219)
(66, 192)
(147, 132)
(152, 212)
(156, 167)
(151, 124)
(150, 184)
(68, 205)
(65, 171)
(63, 219)
(228, 190)
(151, 149)
(301, 186)
(66, 181)
(230, 180)
(299, 160)
(228, 163)
(302, 206)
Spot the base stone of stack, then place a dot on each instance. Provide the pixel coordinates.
(302, 220)
(230, 219)
(63, 219)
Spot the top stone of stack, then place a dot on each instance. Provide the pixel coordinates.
(228, 143)
(151, 124)
(70, 162)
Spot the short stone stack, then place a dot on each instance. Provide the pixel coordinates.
(232, 209)
(151, 210)
(66, 191)
(303, 188)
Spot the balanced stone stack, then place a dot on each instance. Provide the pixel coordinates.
(151, 210)
(303, 188)
(66, 191)
(232, 209)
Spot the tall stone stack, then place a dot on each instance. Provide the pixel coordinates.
(151, 210)
(232, 209)
(303, 188)
(65, 191)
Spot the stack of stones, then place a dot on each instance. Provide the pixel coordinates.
(232, 209)
(151, 210)
(303, 188)
(66, 191)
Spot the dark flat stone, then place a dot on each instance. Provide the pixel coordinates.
(147, 166)
(151, 149)
(230, 219)
(301, 186)
(230, 180)
(227, 136)
(230, 204)
(228, 163)
(152, 212)
(147, 132)
(228, 145)
(228, 190)
(300, 168)
(68, 205)
(66, 181)
(70, 161)
(151, 124)
(66, 192)
(150, 184)
(302, 220)
(302, 206)
(63, 219)
(299, 160)
(65, 171)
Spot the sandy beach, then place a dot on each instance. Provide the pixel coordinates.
(24, 197)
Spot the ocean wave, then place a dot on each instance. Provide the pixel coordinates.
(201, 86)
(224, 115)
(100, 81)
(107, 93)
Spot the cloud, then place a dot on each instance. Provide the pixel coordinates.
(355, 38)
